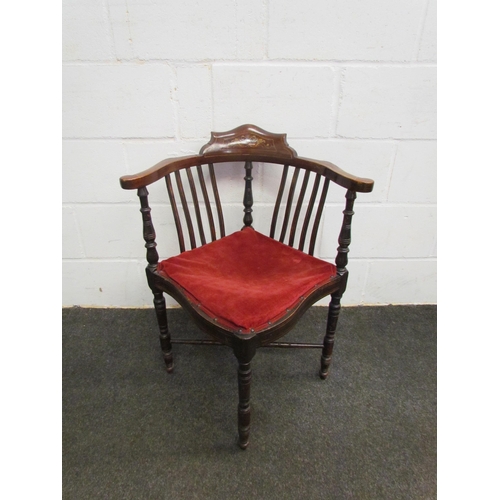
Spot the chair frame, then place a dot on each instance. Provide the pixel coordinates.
(247, 144)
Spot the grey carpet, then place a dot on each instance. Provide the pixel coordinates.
(131, 431)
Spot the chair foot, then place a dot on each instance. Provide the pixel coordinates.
(325, 367)
(244, 445)
(169, 361)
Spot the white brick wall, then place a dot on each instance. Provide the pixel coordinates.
(349, 82)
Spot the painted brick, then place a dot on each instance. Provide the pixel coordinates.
(343, 30)
(414, 178)
(117, 101)
(384, 102)
(230, 182)
(91, 171)
(86, 33)
(372, 159)
(142, 155)
(428, 49)
(200, 67)
(189, 30)
(401, 231)
(71, 242)
(401, 282)
(115, 231)
(194, 94)
(298, 100)
(105, 283)
(266, 182)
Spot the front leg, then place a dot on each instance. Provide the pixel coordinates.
(244, 411)
(244, 351)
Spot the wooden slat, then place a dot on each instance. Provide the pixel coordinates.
(289, 203)
(207, 202)
(307, 217)
(278, 200)
(186, 209)
(298, 207)
(319, 211)
(196, 205)
(173, 204)
(217, 200)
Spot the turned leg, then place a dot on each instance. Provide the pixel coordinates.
(244, 351)
(161, 316)
(244, 380)
(333, 316)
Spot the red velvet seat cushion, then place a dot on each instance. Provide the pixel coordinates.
(246, 279)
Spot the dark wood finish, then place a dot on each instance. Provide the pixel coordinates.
(272, 344)
(228, 336)
(148, 230)
(319, 212)
(177, 220)
(247, 138)
(289, 203)
(244, 411)
(345, 233)
(327, 169)
(187, 215)
(298, 207)
(248, 144)
(217, 200)
(165, 341)
(248, 195)
(310, 206)
(197, 212)
(244, 353)
(207, 202)
(331, 327)
(278, 200)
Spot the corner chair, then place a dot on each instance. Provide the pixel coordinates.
(246, 290)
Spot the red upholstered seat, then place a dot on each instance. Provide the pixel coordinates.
(246, 279)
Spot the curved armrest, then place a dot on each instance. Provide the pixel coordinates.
(165, 167)
(158, 171)
(343, 178)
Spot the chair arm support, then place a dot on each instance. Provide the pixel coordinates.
(148, 230)
(345, 233)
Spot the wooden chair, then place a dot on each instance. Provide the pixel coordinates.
(246, 290)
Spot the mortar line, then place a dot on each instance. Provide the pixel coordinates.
(254, 62)
(174, 140)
